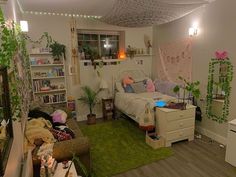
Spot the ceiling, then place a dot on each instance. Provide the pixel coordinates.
(128, 13)
(83, 7)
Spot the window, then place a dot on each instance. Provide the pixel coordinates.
(95, 44)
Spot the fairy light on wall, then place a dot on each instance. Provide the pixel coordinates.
(62, 14)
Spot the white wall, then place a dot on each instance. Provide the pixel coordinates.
(217, 32)
(59, 28)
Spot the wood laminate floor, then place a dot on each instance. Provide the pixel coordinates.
(198, 158)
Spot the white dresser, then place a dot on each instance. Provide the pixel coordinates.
(174, 124)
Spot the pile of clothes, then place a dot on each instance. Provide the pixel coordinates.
(47, 128)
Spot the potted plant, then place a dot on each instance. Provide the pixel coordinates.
(89, 98)
(91, 54)
(57, 50)
(190, 87)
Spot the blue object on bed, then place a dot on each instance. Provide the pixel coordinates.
(128, 89)
(160, 103)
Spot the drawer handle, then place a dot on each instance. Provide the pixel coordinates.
(181, 134)
(181, 124)
(181, 115)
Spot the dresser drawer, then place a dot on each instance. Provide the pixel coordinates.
(180, 124)
(181, 114)
(180, 134)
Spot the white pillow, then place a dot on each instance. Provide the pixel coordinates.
(138, 87)
(118, 87)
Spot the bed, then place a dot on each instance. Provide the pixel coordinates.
(135, 105)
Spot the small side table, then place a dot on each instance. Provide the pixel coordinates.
(107, 108)
(60, 171)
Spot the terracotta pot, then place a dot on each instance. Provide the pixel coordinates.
(91, 119)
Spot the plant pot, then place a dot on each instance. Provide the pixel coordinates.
(91, 119)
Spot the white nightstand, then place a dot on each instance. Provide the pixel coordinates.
(60, 172)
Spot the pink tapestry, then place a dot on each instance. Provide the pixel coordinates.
(175, 60)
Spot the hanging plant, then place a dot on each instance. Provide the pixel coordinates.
(221, 59)
(14, 56)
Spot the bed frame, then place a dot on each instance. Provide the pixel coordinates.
(134, 73)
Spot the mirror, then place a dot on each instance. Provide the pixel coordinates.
(6, 132)
(218, 89)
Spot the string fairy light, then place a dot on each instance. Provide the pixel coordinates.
(62, 14)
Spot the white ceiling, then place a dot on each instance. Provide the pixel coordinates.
(129, 13)
(83, 7)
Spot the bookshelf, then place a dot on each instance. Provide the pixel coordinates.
(48, 78)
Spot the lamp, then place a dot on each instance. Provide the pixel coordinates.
(192, 31)
(103, 84)
(24, 26)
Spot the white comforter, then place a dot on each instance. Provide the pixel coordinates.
(133, 104)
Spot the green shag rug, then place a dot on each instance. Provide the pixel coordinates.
(118, 146)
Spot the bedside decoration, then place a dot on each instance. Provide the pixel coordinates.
(190, 87)
(218, 87)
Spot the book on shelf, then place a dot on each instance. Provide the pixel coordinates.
(53, 98)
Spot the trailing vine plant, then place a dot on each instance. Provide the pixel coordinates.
(221, 59)
(14, 56)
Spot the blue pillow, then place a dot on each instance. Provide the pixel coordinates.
(160, 103)
(128, 89)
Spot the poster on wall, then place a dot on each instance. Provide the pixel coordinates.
(175, 60)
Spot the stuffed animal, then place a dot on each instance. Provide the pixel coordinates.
(59, 116)
(150, 86)
(127, 80)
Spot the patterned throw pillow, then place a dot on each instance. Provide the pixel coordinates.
(138, 87)
(60, 135)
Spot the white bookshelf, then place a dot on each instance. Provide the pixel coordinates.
(48, 78)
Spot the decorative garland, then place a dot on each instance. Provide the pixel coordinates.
(221, 59)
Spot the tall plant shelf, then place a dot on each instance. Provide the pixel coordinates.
(48, 78)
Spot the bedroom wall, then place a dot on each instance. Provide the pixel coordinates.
(217, 32)
(59, 28)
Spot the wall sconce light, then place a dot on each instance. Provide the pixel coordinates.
(24, 26)
(192, 31)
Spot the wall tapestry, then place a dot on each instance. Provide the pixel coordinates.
(175, 60)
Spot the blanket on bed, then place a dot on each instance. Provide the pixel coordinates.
(139, 106)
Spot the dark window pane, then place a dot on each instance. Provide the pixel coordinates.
(94, 37)
(86, 37)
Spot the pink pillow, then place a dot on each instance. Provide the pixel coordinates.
(127, 80)
(150, 86)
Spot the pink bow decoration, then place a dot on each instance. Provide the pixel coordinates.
(221, 55)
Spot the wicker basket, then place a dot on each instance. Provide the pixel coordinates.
(154, 143)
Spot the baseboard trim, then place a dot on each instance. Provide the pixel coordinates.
(212, 135)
